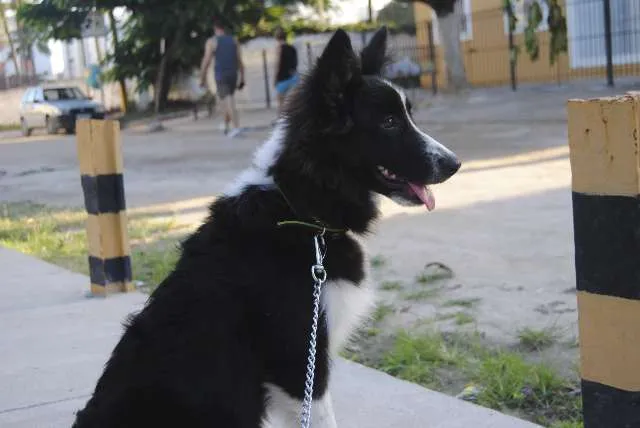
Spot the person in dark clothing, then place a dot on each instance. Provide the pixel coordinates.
(224, 51)
(287, 67)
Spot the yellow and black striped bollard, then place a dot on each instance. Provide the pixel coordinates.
(605, 166)
(101, 167)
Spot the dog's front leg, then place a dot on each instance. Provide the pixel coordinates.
(283, 411)
(322, 415)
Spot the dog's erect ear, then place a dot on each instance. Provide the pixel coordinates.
(338, 63)
(373, 56)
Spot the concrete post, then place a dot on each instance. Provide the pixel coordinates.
(605, 166)
(100, 159)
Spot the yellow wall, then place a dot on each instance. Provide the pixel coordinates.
(486, 54)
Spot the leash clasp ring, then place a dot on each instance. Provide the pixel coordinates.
(318, 273)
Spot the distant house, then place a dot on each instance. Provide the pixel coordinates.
(485, 42)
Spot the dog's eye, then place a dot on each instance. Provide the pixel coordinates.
(389, 122)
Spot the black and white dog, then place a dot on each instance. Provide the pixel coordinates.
(223, 341)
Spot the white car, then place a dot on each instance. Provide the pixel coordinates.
(56, 107)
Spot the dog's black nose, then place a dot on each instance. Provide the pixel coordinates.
(447, 166)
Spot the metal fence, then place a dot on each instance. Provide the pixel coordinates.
(260, 66)
(603, 44)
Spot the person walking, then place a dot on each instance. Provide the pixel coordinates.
(224, 50)
(287, 67)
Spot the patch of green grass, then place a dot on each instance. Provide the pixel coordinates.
(568, 424)
(423, 278)
(381, 311)
(433, 275)
(391, 285)
(573, 342)
(422, 322)
(460, 318)
(370, 331)
(351, 355)
(509, 382)
(465, 303)
(152, 265)
(505, 380)
(445, 317)
(532, 339)
(463, 318)
(59, 237)
(416, 358)
(9, 126)
(420, 295)
(378, 261)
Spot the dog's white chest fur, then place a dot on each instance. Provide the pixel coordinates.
(345, 305)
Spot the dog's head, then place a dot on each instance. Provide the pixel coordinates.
(362, 125)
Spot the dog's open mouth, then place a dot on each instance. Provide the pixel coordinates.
(413, 192)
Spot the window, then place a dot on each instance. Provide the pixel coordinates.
(467, 27)
(37, 94)
(28, 96)
(585, 26)
(56, 94)
(520, 9)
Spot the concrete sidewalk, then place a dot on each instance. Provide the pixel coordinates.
(54, 342)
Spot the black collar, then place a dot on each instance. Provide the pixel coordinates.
(314, 224)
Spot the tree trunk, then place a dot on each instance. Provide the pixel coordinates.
(160, 81)
(450, 28)
(124, 99)
(14, 55)
(166, 86)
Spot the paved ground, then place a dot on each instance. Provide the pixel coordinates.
(54, 342)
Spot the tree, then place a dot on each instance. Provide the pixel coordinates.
(7, 32)
(399, 14)
(449, 14)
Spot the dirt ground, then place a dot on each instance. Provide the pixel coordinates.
(503, 224)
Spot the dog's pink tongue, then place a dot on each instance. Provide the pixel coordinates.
(425, 194)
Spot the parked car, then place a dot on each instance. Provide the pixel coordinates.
(55, 108)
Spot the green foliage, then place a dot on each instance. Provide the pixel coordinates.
(509, 382)
(536, 340)
(568, 424)
(267, 25)
(463, 318)
(464, 302)
(381, 311)
(378, 261)
(558, 27)
(417, 358)
(391, 285)
(397, 13)
(556, 23)
(534, 18)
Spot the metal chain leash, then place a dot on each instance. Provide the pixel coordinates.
(319, 275)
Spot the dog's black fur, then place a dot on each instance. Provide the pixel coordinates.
(235, 312)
